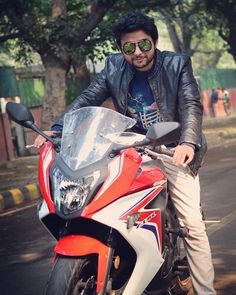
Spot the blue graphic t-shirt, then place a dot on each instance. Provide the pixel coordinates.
(141, 104)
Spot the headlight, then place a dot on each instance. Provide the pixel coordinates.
(71, 195)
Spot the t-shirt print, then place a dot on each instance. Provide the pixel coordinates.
(144, 110)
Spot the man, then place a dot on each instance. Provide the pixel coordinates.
(152, 86)
(213, 101)
(225, 99)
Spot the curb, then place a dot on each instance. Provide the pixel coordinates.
(19, 196)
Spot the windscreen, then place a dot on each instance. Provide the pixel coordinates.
(85, 133)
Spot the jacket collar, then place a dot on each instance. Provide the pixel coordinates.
(158, 63)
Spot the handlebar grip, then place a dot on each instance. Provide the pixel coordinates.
(163, 151)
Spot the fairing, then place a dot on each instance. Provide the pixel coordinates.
(45, 161)
(76, 245)
(85, 143)
(128, 189)
(145, 236)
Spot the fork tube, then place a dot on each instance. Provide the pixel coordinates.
(109, 262)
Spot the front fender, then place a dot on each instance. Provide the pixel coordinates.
(78, 245)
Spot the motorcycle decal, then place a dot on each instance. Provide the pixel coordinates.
(152, 223)
(149, 219)
(135, 207)
(142, 202)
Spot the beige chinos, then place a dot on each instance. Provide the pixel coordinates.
(185, 194)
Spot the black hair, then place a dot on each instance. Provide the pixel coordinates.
(132, 22)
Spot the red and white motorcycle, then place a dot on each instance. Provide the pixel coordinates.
(107, 207)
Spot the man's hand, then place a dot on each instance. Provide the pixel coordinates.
(39, 141)
(183, 154)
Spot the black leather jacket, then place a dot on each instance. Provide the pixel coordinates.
(172, 83)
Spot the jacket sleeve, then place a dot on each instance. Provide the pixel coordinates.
(94, 95)
(190, 107)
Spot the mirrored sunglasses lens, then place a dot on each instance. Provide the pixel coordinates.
(129, 48)
(145, 45)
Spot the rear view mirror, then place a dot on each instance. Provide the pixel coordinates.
(20, 114)
(163, 133)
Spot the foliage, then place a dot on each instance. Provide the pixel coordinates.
(101, 42)
(209, 51)
(185, 19)
(198, 38)
(222, 17)
(64, 36)
(35, 28)
(192, 31)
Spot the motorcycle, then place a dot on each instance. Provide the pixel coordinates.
(108, 207)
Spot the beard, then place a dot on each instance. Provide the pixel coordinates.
(142, 63)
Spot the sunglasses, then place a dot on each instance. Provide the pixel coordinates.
(130, 47)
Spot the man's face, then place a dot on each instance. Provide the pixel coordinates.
(142, 60)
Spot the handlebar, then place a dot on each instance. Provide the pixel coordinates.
(164, 151)
(158, 150)
(55, 139)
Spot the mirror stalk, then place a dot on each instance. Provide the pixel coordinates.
(36, 129)
(20, 114)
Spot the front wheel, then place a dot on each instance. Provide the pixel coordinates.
(73, 276)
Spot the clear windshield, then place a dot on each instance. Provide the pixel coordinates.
(85, 137)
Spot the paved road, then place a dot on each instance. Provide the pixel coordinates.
(218, 180)
(26, 248)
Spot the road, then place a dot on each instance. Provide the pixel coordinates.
(26, 247)
(218, 180)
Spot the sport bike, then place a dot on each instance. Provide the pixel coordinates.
(106, 203)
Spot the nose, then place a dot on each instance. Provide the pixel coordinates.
(137, 50)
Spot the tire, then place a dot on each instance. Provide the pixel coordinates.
(72, 276)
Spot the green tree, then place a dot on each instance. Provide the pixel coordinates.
(221, 15)
(63, 33)
(192, 31)
(186, 21)
(56, 30)
(183, 18)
